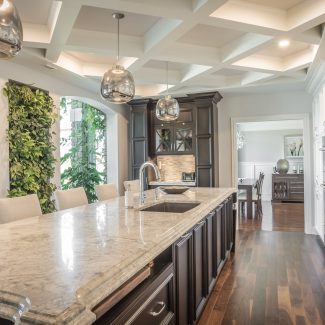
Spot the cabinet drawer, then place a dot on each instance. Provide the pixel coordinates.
(157, 309)
(151, 303)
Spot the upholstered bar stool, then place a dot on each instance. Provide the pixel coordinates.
(21, 207)
(134, 185)
(67, 199)
(106, 192)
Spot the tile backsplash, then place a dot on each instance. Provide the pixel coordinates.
(171, 167)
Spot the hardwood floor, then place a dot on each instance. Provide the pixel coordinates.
(276, 216)
(275, 277)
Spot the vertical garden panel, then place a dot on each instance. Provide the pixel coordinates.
(31, 150)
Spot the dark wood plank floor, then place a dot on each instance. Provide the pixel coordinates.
(276, 216)
(275, 277)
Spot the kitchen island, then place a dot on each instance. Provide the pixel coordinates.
(61, 267)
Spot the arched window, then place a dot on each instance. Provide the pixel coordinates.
(83, 146)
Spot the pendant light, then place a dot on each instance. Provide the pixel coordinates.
(117, 83)
(11, 31)
(167, 108)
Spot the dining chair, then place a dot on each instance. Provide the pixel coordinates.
(106, 191)
(67, 199)
(134, 185)
(16, 208)
(256, 197)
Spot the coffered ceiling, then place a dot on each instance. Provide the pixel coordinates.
(223, 45)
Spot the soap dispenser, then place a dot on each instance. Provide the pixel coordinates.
(128, 196)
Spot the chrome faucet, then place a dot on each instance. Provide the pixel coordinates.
(142, 168)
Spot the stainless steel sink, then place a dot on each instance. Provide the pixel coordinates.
(173, 207)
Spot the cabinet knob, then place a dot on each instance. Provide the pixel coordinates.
(162, 306)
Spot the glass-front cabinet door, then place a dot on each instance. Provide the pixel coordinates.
(163, 139)
(183, 139)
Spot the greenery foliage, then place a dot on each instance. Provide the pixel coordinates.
(31, 159)
(87, 147)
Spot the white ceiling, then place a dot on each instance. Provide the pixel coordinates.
(225, 45)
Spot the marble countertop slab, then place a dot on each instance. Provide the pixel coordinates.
(56, 268)
(172, 183)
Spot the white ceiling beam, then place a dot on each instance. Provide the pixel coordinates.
(253, 76)
(191, 54)
(306, 15)
(64, 24)
(194, 70)
(251, 13)
(244, 46)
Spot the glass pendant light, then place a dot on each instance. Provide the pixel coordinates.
(167, 108)
(118, 84)
(11, 31)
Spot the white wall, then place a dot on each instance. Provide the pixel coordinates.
(319, 160)
(4, 149)
(260, 153)
(58, 88)
(270, 107)
(253, 105)
(264, 145)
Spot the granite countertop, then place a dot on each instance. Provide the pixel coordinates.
(172, 183)
(56, 268)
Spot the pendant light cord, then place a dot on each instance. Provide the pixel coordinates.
(167, 78)
(118, 40)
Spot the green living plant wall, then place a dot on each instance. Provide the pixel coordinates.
(87, 147)
(31, 150)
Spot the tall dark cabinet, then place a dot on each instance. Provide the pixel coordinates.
(139, 135)
(194, 132)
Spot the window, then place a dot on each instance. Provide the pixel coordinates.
(83, 146)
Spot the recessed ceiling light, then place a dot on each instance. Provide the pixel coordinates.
(284, 43)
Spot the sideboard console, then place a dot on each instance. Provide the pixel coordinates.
(287, 188)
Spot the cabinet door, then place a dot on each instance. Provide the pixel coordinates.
(223, 231)
(183, 139)
(210, 251)
(217, 236)
(229, 223)
(183, 253)
(163, 139)
(199, 267)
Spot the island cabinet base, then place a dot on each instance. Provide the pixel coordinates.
(199, 257)
(183, 276)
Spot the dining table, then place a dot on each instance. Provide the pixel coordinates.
(248, 184)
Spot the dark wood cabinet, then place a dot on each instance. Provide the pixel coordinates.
(199, 257)
(206, 132)
(139, 136)
(219, 256)
(176, 137)
(199, 267)
(194, 132)
(211, 251)
(152, 302)
(183, 260)
(288, 188)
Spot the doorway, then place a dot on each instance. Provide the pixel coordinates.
(258, 143)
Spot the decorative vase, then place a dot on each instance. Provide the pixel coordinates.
(282, 166)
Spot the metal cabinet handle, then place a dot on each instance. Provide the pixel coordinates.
(186, 235)
(157, 313)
